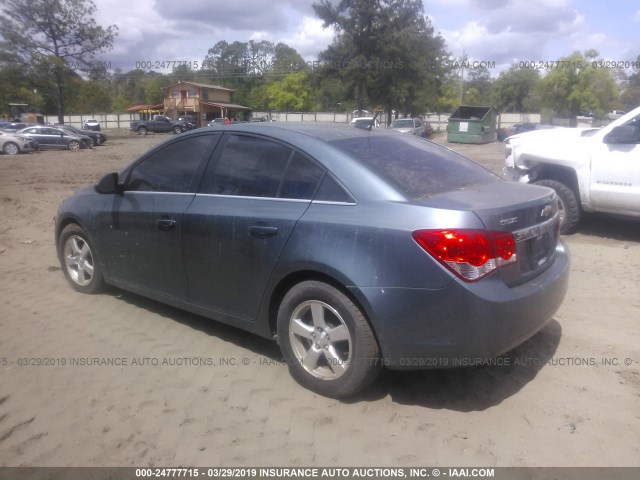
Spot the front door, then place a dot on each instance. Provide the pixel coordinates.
(142, 227)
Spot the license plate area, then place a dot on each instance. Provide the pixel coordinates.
(538, 250)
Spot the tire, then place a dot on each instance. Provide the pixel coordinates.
(74, 145)
(568, 205)
(309, 315)
(92, 142)
(11, 148)
(98, 140)
(142, 131)
(78, 260)
(177, 130)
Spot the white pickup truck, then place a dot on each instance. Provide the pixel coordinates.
(591, 170)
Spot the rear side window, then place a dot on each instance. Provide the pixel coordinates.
(256, 167)
(415, 167)
(301, 179)
(248, 166)
(172, 168)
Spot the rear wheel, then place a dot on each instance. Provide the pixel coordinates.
(142, 131)
(98, 140)
(326, 340)
(78, 260)
(11, 148)
(568, 205)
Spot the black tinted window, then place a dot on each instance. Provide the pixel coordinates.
(248, 166)
(330, 191)
(416, 167)
(172, 168)
(301, 179)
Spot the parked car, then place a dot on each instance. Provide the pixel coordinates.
(591, 170)
(503, 133)
(365, 122)
(15, 126)
(97, 137)
(217, 121)
(414, 126)
(91, 124)
(12, 144)
(54, 137)
(189, 122)
(352, 248)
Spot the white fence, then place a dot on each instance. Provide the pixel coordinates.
(115, 120)
(439, 122)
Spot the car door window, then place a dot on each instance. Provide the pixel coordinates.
(301, 179)
(248, 166)
(172, 168)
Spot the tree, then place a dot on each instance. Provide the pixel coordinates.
(385, 50)
(291, 93)
(60, 36)
(576, 85)
(630, 97)
(515, 90)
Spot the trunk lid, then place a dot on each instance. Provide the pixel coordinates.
(529, 212)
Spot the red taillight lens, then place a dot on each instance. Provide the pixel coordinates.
(471, 254)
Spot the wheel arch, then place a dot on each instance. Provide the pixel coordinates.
(290, 280)
(559, 173)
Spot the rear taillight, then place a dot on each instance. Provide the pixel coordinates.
(470, 254)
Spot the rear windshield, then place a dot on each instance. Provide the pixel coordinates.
(415, 167)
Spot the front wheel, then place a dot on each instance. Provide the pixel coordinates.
(78, 260)
(11, 148)
(326, 340)
(74, 145)
(568, 205)
(177, 130)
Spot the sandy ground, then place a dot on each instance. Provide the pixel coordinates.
(190, 392)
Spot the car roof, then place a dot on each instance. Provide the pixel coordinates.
(325, 132)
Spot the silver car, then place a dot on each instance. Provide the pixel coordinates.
(12, 143)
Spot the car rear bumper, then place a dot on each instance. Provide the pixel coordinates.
(463, 324)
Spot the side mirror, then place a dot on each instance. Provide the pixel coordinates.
(623, 134)
(108, 184)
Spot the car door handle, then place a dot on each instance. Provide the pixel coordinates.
(165, 224)
(261, 231)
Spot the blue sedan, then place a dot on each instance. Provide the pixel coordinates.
(353, 249)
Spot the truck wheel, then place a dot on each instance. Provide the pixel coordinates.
(568, 206)
(177, 130)
(326, 340)
(142, 131)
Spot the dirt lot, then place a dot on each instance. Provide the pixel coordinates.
(190, 392)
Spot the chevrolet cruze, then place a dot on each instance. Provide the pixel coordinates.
(353, 249)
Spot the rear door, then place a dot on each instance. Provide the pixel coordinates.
(252, 194)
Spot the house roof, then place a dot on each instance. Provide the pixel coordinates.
(139, 108)
(203, 85)
(232, 106)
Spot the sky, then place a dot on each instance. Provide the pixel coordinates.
(498, 32)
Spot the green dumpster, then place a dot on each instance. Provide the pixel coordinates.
(471, 124)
